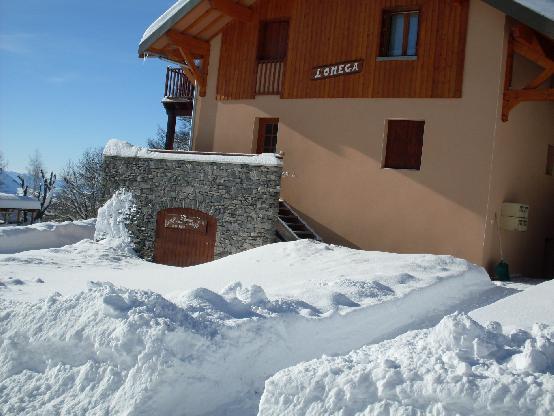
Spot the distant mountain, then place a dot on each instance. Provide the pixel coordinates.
(9, 183)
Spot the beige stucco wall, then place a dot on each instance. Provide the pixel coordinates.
(334, 148)
(519, 175)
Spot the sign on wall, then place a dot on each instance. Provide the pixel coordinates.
(337, 70)
(185, 222)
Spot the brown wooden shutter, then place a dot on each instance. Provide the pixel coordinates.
(385, 33)
(268, 129)
(404, 144)
(273, 40)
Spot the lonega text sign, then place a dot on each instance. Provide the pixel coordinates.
(337, 70)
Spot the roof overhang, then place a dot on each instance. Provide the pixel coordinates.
(537, 14)
(183, 33)
(198, 20)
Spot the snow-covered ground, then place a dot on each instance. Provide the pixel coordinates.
(15, 238)
(456, 368)
(152, 339)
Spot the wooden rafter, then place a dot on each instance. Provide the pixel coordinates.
(198, 74)
(193, 45)
(190, 50)
(234, 10)
(536, 48)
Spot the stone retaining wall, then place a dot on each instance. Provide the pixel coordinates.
(243, 197)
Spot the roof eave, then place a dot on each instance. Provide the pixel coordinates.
(525, 15)
(168, 23)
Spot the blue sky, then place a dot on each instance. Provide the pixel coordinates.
(70, 77)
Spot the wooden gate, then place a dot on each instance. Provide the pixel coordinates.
(184, 237)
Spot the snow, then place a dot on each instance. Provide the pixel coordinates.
(89, 328)
(18, 201)
(521, 310)
(211, 336)
(111, 219)
(543, 7)
(112, 350)
(124, 149)
(456, 368)
(14, 239)
(164, 18)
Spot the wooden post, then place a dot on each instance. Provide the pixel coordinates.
(171, 124)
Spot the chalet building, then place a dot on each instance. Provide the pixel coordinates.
(404, 125)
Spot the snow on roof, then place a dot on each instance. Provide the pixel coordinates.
(538, 14)
(124, 149)
(11, 201)
(542, 7)
(163, 23)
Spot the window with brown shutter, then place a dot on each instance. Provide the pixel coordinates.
(404, 144)
(268, 128)
(273, 40)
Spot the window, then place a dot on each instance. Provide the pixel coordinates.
(404, 144)
(550, 160)
(399, 33)
(273, 40)
(268, 128)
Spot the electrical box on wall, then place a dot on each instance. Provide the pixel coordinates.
(512, 209)
(514, 216)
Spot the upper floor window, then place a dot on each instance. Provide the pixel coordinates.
(273, 40)
(399, 33)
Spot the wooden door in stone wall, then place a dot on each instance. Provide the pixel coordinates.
(184, 237)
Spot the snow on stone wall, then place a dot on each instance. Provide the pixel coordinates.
(243, 197)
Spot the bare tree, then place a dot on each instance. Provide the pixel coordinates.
(24, 188)
(182, 141)
(45, 193)
(34, 166)
(81, 193)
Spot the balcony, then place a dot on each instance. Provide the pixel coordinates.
(178, 100)
(269, 80)
(177, 85)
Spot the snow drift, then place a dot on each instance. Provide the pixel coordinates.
(522, 310)
(14, 239)
(111, 350)
(208, 350)
(459, 367)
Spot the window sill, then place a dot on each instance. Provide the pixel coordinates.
(396, 58)
(402, 169)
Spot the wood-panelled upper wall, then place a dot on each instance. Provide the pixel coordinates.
(329, 31)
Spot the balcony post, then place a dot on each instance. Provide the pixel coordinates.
(170, 131)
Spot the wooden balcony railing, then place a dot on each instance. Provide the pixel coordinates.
(177, 85)
(269, 80)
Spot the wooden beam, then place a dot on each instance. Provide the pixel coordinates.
(189, 43)
(540, 79)
(531, 95)
(513, 98)
(189, 60)
(234, 10)
(167, 54)
(199, 77)
(532, 52)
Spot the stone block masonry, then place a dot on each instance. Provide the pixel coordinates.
(241, 192)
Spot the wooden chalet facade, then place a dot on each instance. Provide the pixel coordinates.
(404, 124)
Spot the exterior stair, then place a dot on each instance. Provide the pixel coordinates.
(291, 227)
